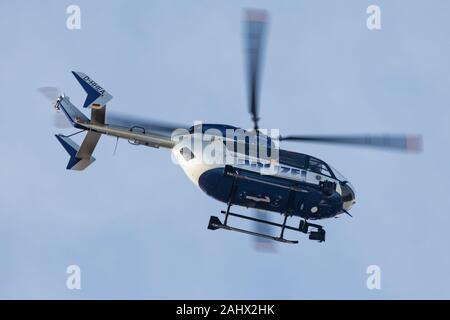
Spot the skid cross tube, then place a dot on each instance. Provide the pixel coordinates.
(283, 226)
(230, 198)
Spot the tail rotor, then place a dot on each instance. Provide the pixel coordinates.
(54, 94)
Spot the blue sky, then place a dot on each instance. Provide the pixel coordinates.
(136, 225)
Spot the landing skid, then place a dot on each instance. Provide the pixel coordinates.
(304, 226)
(215, 223)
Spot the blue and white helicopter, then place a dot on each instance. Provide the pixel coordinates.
(268, 180)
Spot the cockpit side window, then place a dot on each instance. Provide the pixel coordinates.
(187, 154)
(317, 166)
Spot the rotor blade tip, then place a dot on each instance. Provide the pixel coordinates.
(51, 93)
(255, 15)
(414, 143)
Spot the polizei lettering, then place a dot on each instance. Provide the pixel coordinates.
(276, 169)
(94, 85)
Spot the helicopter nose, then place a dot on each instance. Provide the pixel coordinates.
(348, 195)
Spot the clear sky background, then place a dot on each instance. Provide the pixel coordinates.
(136, 225)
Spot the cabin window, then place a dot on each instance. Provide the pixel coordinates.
(187, 154)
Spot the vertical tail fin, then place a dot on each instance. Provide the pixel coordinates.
(97, 97)
(80, 156)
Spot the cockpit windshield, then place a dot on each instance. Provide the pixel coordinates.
(338, 175)
(341, 178)
(347, 190)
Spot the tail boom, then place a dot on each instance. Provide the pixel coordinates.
(81, 156)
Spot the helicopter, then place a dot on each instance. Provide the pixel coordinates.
(244, 168)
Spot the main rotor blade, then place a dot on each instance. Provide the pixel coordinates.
(255, 24)
(165, 128)
(264, 244)
(395, 142)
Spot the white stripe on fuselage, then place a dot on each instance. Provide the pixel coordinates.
(200, 164)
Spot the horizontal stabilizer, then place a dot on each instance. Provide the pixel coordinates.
(80, 157)
(97, 97)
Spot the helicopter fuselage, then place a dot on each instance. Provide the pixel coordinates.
(297, 184)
